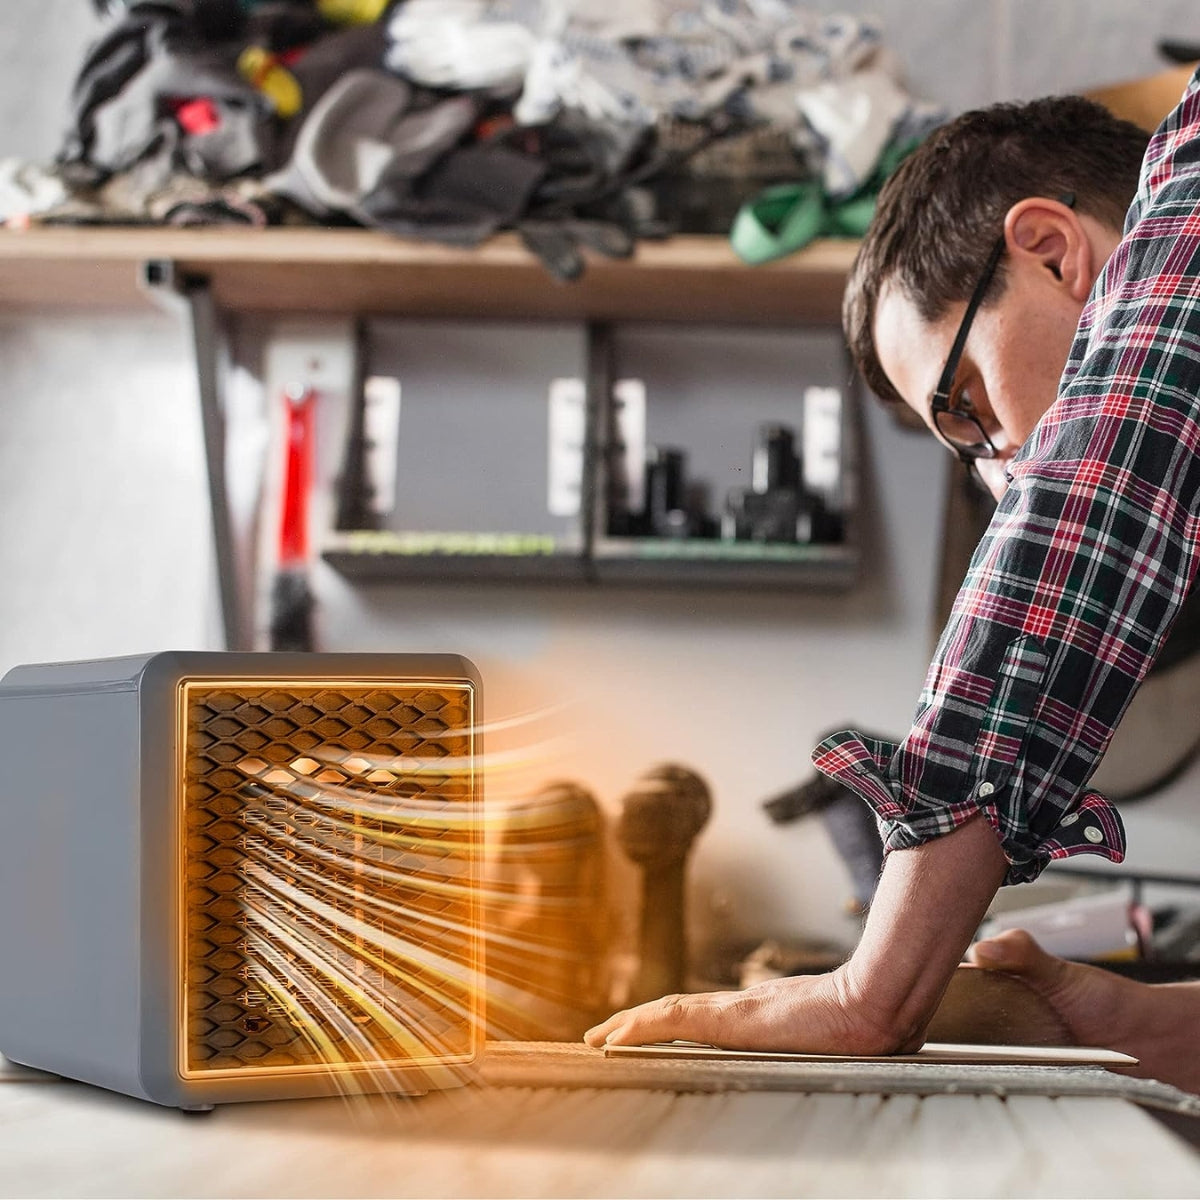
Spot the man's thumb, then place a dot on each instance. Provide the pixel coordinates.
(1014, 950)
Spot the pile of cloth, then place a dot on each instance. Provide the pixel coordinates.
(574, 122)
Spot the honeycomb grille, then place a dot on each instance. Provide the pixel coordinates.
(331, 845)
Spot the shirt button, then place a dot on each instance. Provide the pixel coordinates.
(1069, 819)
(985, 789)
(1093, 834)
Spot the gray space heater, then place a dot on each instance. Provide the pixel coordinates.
(242, 876)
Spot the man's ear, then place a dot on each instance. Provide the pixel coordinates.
(1048, 235)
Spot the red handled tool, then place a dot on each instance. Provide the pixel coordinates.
(291, 595)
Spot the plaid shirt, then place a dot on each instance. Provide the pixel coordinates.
(1074, 586)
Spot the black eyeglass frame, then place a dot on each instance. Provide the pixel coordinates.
(940, 401)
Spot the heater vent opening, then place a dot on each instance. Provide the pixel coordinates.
(331, 843)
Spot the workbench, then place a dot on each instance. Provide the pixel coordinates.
(547, 1120)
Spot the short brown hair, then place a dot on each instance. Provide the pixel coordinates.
(939, 215)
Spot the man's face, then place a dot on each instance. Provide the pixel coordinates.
(1018, 344)
(1007, 377)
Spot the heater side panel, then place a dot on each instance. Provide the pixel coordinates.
(69, 890)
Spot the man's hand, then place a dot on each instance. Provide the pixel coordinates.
(929, 904)
(805, 1013)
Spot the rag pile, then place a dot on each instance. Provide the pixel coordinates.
(579, 125)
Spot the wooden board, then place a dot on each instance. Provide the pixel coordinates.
(939, 1053)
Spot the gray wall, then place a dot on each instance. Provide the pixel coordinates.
(963, 53)
(104, 544)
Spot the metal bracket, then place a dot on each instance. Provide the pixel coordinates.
(166, 285)
(598, 437)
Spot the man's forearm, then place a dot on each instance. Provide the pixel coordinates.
(929, 903)
(927, 907)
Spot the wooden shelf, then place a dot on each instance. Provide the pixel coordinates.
(398, 556)
(695, 560)
(409, 557)
(359, 271)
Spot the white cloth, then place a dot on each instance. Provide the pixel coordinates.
(27, 189)
(854, 118)
(824, 79)
(465, 44)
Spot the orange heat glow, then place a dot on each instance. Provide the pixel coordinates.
(331, 842)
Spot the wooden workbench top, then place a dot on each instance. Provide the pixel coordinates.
(502, 1139)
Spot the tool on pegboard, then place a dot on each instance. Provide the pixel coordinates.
(291, 626)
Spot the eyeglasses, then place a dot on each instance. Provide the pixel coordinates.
(957, 428)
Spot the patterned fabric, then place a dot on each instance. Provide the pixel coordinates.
(1074, 586)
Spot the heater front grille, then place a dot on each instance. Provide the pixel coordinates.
(331, 845)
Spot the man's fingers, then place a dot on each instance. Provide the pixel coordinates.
(804, 1012)
(598, 1033)
(673, 1018)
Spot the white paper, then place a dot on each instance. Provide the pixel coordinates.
(568, 428)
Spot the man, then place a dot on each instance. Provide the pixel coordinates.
(996, 256)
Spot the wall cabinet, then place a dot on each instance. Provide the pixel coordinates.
(603, 451)
(706, 339)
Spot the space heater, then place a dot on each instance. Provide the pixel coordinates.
(242, 876)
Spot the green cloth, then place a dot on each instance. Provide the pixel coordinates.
(786, 217)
